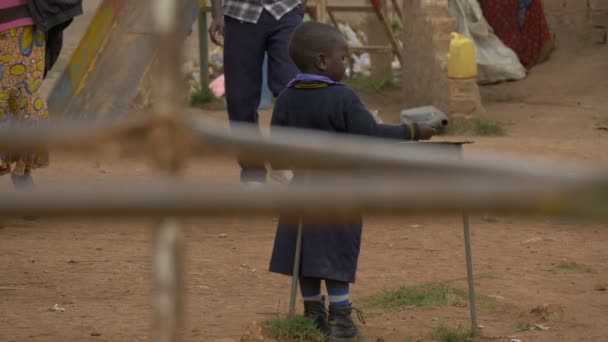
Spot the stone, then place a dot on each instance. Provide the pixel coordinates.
(464, 105)
(443, 24)
(441, 41)
(463, 87)
(599, 35)
(599, 19)
(436, 7)
(532, 240)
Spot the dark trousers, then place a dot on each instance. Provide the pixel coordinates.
(244, 48)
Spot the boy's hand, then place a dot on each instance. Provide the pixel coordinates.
(426, 131)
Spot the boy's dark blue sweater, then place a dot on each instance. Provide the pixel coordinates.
(330, 248)
(334, 108)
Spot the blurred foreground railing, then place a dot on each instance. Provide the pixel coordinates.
(353, 175)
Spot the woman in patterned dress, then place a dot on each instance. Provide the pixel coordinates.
(22, 65)
(30, 41)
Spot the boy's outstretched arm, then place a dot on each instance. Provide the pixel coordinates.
(358, 120)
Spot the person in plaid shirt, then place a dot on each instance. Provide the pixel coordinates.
(248, 29)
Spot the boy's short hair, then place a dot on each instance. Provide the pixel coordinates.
(308, 40)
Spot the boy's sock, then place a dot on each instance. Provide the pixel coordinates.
(339, 293)
(311, 289)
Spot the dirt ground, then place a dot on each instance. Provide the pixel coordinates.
(98, 270)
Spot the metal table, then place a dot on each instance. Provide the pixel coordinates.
(457, 146)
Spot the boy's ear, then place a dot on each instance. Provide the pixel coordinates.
(321, 61)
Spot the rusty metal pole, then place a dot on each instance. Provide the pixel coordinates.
(166, 145)
(167, 281)
(203, 43)
(297, 261)
(459, 154)
(469, 261)
(470, 276)
(296, 270)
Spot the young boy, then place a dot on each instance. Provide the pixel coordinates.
(330, 248)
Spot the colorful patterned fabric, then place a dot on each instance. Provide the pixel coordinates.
(528, 39)
(22, 63)
(250, 10)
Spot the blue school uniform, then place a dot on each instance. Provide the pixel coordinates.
(330, 248)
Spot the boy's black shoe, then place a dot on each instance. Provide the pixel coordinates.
(341, 325)
(317, 313)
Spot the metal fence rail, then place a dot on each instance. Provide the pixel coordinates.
(367, 193)
(360, 175)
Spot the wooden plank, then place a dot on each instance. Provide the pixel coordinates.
(364, 6)
(105, 71)
(316, 9)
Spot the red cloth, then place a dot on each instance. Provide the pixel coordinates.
(526, 40)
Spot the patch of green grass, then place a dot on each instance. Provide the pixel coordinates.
(488, 127)
(429, 295)
(574, 267)
(457, 127)
(480, 126)
(395, 26)
(200, 97)
(367, 83)
(443, 333)
(425, 295)
(296, 329)
(481, 301)
(485, 276)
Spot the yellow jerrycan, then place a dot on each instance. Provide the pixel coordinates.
(462, 63)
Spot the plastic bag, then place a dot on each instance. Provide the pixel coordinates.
(218, 86)
(495, 61)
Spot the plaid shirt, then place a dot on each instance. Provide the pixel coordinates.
(250, 10)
